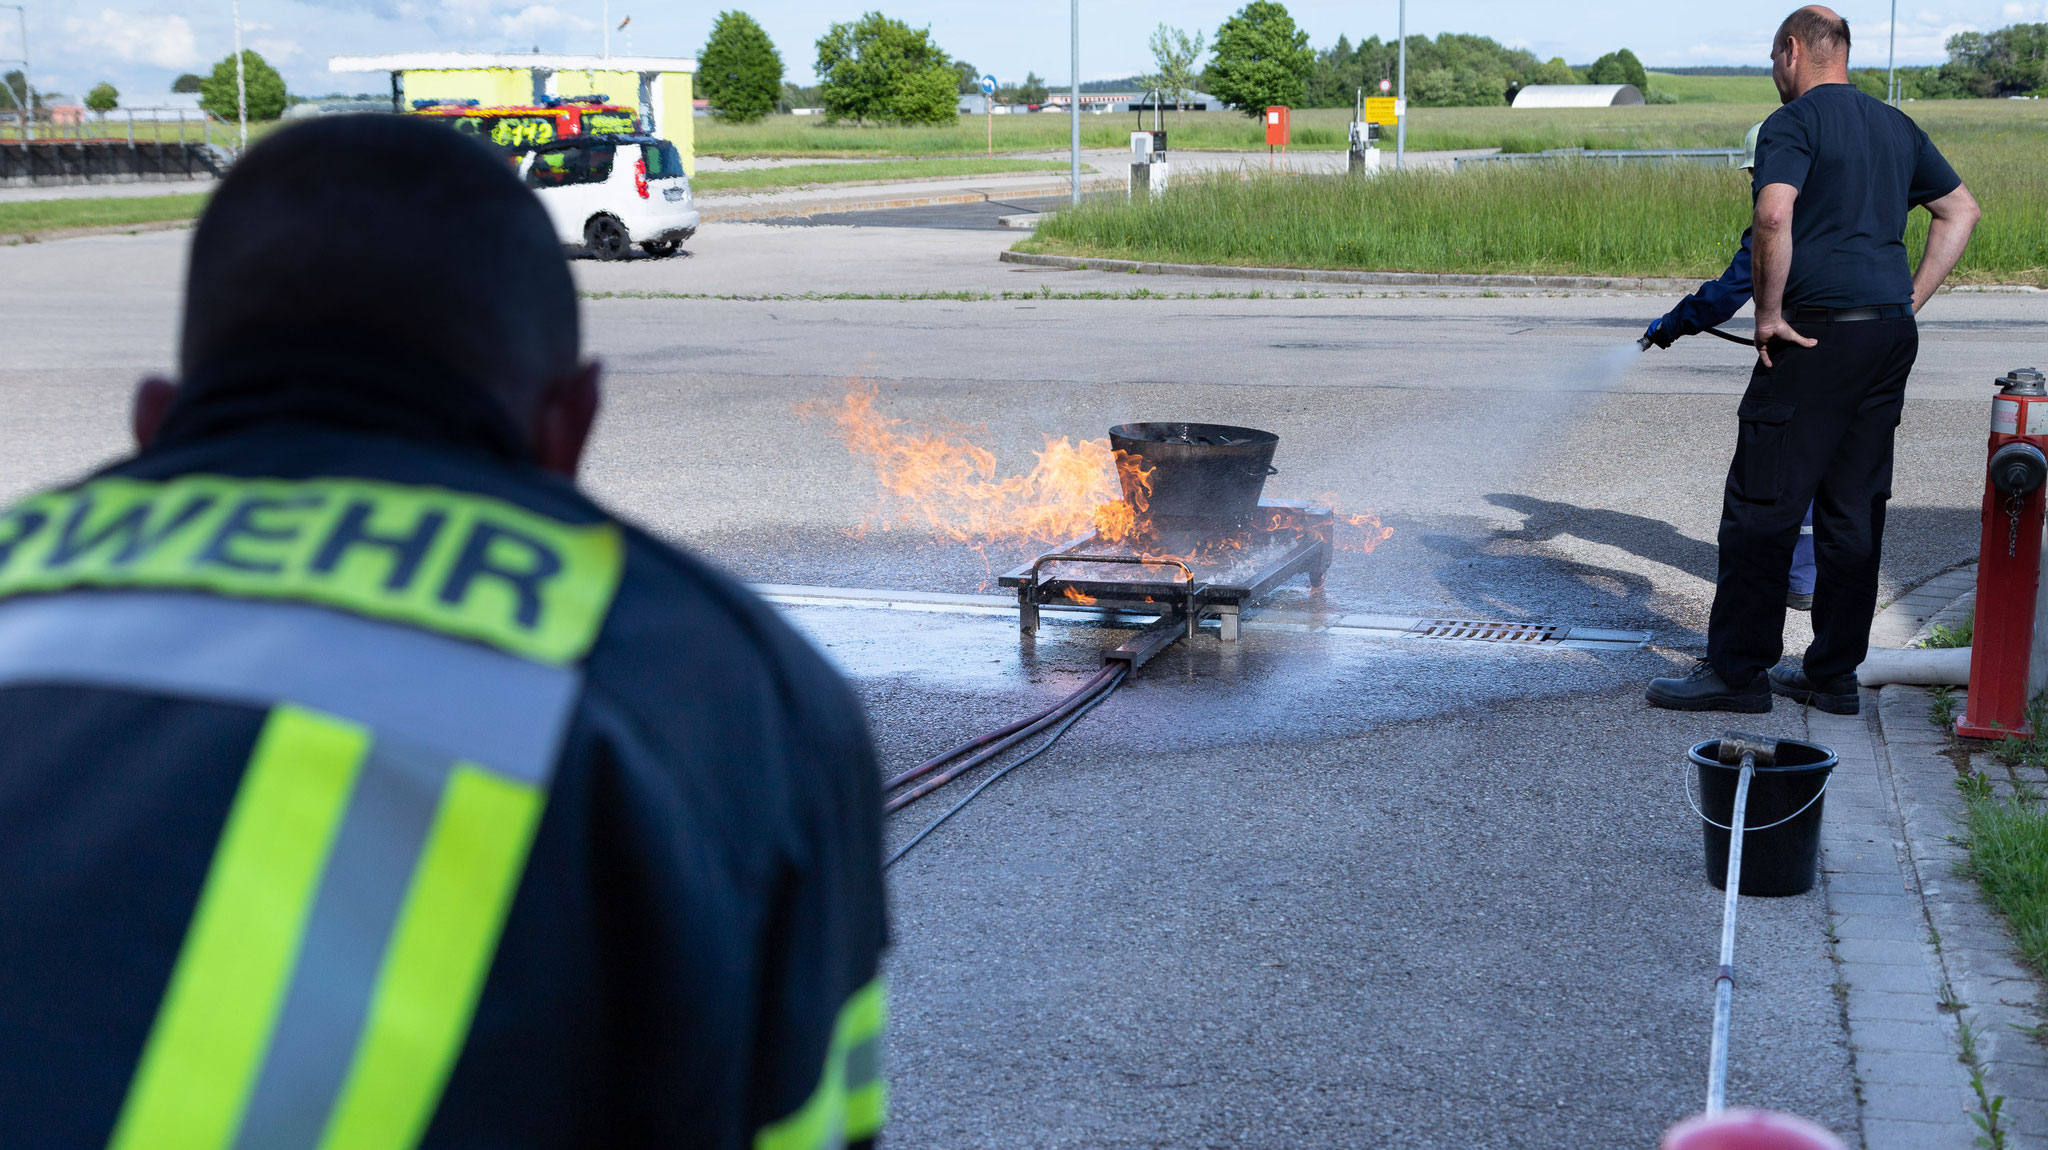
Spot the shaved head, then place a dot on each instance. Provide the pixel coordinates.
(1823, 33)
(388, 238)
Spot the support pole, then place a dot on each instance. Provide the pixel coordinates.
(1891, 84)
(1401, 119)
(241, 83)
(1074, 108)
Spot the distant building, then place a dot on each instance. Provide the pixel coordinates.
(659, 88)
(971, 105)
(1577, 96)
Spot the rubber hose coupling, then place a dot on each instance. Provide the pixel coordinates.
(2018, 469)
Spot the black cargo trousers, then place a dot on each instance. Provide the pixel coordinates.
(1817, 426)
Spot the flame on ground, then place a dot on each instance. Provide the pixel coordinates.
(947, 481)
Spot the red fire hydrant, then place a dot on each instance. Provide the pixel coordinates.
(2009, 559)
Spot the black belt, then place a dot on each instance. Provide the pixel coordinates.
(1847, 314)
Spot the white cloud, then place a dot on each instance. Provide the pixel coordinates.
(541, 18)
(275, 50)
(2023, 12)
(163, 41)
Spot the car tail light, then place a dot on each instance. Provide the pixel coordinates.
(640, 177)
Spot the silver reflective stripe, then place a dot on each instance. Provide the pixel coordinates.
(422, 689)
(863, 1064)
(344, 944)
(429, 702)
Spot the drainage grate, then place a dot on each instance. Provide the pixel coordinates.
(1486, 631)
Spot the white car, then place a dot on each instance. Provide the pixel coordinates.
(607, 193)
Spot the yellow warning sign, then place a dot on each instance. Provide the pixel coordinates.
(1381, 110)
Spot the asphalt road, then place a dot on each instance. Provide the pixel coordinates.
(1306, 890)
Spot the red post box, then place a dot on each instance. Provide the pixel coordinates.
(1276, 126)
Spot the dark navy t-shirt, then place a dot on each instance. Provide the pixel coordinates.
(1859, 165)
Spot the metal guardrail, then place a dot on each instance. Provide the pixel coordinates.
(1710, 157)
(119, 146)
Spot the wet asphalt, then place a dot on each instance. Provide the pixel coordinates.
(1308, 889)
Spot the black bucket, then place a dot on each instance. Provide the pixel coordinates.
(1781, 830)
(1203, 476)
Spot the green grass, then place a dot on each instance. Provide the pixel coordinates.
(44, 215)
(1715, 89)
(799, 174)
(2008, 844)
(1704, 124)
(1569, 217)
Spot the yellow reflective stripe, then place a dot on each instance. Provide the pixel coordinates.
(435, 965)
(448, 561)
(838, 1111)
(213, 1029)
(866, 1109)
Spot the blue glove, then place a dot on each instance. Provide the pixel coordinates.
(1660, 333)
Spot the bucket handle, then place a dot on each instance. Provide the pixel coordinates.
(1685, 783)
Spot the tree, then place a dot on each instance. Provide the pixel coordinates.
(1555, 72)
(103, 98)
(186, 83)
(970, 78)
(1174, 56)
(1261, 58)
(739, 71)
(1620, 67)
(14, 91)
(882, 69)
(1031, 91)
(265, 88)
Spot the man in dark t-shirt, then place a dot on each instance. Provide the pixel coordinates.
(1837, 172)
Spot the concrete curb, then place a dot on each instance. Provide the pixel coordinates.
(1321, 275)
(879, 203)
(1918, 949)
(11, 239)
(1395, 279)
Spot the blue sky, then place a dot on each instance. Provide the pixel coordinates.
(140, 45)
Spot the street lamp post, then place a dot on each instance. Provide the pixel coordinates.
(1891, 84)
(28, 85)
(1401, 120)
(1074, 102)
(241, 83)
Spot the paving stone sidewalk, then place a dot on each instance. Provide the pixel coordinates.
(1926, 967)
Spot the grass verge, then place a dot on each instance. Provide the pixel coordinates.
(47, 215)
(1564, 218)
(2008, 841)
(797, 175)
(1683, 125)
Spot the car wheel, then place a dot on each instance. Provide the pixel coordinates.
(607, 238)
(661, 247)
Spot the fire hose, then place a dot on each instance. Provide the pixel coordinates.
(1071, 709)
(1117, 667)
(1731, 337)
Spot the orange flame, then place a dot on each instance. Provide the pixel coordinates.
(948, 481)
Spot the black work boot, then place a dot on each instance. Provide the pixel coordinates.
(1836, 696)
(1701, 689)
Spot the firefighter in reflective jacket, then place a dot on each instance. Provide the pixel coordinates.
(367, 786)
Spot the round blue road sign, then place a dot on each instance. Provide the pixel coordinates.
(988, 85)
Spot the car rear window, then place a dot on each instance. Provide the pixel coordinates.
(663, 161)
